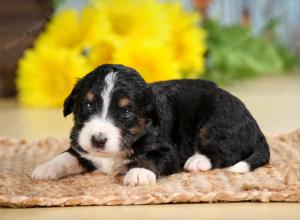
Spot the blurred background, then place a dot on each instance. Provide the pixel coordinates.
(249, 47)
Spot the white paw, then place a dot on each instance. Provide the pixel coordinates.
(240, 167)
(46, 171)
(198, 162)
(139, 176)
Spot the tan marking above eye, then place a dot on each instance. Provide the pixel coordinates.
(124, 102)
(90, 96)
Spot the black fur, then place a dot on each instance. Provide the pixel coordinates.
(179, 118)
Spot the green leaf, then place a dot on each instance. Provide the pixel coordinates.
(235, 53)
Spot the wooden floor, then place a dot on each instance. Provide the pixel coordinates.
(221, 211)
(274, 102)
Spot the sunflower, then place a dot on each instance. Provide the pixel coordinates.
(186, 40)
(46, 75)
(74, 30)
(130, 19)
(101, 53)
(161, 40)
(154, 61)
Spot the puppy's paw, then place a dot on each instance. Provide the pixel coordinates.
(139, 176)
(46, 171)
(240, 167)
(197, 162)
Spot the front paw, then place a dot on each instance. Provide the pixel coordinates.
(46, 171)
(139, 176)
(197, 162)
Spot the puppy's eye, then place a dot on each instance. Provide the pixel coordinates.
(126, 113)
(88, 106)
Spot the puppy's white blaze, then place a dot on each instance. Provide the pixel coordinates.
(198, 162)
(60, 166)
(106, 92)
(240, 167)
(102, 123)
(98, 125)
(139, 176)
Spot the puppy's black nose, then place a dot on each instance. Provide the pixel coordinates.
(99, 141)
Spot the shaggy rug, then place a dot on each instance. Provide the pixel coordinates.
(279, 181)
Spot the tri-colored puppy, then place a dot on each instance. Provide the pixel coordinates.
(124, 125)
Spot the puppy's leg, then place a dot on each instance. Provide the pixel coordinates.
(62, 165)
(260, 157)
(198, 162)
(145, 168)
(142, 172)
(139, 176)
(240, 167)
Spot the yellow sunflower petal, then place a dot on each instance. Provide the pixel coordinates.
(47, 75)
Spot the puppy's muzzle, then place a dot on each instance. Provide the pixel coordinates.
(98, 141)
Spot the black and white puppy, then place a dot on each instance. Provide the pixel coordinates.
(124, 125)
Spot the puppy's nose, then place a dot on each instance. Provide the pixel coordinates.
(99, 140)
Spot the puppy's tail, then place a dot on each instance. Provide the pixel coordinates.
(258, 158)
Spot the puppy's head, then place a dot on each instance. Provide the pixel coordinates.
(111, 106)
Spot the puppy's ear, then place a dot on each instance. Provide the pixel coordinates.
(68, 105)
(69, 101)
(149, 99)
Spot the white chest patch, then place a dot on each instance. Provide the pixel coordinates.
(103, 164)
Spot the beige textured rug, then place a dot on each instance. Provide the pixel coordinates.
(278, 181)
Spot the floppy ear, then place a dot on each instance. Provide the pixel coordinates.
(69, 101)
(68, 105)
(148, 100)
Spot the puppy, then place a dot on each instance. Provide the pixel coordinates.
(122, 125)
